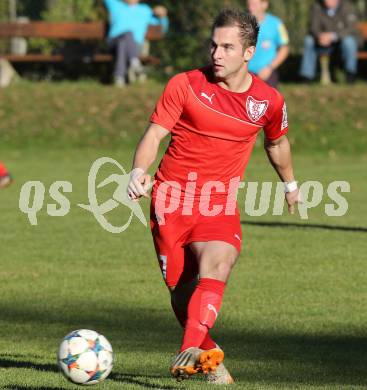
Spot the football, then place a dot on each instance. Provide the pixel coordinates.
(85, 357)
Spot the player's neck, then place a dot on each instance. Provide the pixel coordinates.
(238, 83)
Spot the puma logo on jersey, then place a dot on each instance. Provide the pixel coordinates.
(203, 94)
(212, 308)
(237, 236)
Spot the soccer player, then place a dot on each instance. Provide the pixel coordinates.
(5, 178)
(213, 116)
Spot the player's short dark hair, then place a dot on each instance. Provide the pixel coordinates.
(247, 24)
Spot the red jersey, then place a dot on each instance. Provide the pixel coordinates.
(213, 130)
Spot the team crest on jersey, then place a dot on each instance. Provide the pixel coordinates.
(285, 117)
(256, 108)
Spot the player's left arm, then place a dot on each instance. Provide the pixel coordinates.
(278, 149)
(280, 157)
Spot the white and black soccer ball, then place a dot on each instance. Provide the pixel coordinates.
(85, 357)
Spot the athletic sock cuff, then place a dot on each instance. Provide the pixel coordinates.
(214, 285)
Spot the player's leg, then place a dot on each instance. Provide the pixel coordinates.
(215, 259)
(182, 292)
(5, 177)
(216, 243)
(171, 255)
(186, 362)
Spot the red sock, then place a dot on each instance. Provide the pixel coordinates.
(202, 311)
(3, 170)
(181, 316)
(208, 343)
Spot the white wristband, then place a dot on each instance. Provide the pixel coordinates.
(290, 186)
(137, 171)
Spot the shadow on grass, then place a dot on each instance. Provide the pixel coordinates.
(268, 356)
(280, 357)
(306, 226)
(17, 387)
(10, 363)
(140, 380)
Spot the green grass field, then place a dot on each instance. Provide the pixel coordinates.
(294, 312)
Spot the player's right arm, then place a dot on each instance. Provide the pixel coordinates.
(166, 114)
(145, 154)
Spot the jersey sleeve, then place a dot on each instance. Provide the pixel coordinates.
(170, 105)
(277, 125)
(282, 34)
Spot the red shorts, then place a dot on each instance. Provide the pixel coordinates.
(171, 239)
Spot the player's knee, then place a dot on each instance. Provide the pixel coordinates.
(224, 267)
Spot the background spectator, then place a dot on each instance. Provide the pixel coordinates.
(272, 46)
(333, 25)
(129, 22)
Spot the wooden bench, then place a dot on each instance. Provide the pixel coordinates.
(362, 27)
(85, 31)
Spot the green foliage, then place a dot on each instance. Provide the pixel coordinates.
(30, 8)
(64, 11)
(71, 10)
(295, 15)
(4, 11)
(4, 15)
(185, 45)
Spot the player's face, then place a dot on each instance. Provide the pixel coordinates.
(227, 52)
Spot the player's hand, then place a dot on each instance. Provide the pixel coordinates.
(265, 73)
(293, 198)
(160, 11)
(139, 184)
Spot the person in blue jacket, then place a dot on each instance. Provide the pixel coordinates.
(129, 21)
(272, 47)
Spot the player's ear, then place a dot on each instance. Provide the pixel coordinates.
(249, 53)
